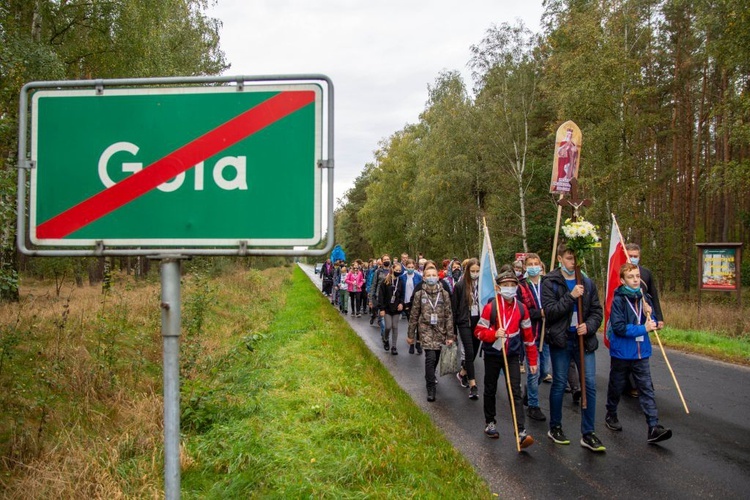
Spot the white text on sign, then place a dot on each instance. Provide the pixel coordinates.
(238, 163)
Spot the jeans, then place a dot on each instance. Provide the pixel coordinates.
(560, 362)
(532, 381)
(545, 365)
(618, 376)
(532, 384)
(493, 365)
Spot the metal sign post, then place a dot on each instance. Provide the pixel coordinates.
(171, 326)
(173, 167)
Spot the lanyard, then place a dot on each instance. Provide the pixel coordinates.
(637, 310)
(506, 323)
(437, 301)
(535, 289)
(475, 293)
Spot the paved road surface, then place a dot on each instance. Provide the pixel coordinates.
(708, 456)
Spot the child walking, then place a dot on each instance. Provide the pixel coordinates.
(531, 296)
(630, 323)
(560, 294)
(343, 290)
(431, 312)
(505, 326)
(355, 281)
(390, 304)
(466, 312)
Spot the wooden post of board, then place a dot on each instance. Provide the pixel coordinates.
(575, 203)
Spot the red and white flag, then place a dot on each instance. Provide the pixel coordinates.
(617, 257)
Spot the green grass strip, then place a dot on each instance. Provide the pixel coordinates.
(732, 349)
(311, 412)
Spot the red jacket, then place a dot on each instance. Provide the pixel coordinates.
(535, 308)
(518, 331)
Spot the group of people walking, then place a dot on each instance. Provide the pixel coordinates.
(443, 306)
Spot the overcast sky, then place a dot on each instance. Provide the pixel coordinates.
(381, 55)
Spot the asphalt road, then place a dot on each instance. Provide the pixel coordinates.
(708, 456)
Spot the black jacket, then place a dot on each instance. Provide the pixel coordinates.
(651, 290)
(461, 307)
(389, 298)
(557, 303)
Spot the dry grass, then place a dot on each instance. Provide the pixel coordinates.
(80, 380)
(717, 313)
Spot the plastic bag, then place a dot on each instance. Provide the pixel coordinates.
(449, 362)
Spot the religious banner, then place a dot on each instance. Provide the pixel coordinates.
(566, 159)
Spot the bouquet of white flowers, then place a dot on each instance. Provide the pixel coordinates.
(581, 236)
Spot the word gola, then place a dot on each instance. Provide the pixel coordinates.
(238, 163)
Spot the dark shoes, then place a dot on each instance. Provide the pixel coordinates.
(612, 423)
(386, 345)
(411, 349)
(473, 393)
(557, 435)
(658, 433)
(394, 351)
(535, 413)
(592, 442)
(431, 394)
(419, 348)
(462, 379)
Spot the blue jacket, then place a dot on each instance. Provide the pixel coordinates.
(627, 338)
(368, 279)
(402, 285)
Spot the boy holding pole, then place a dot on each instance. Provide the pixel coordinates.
(504, 329)
(631, 321)
(560, 294)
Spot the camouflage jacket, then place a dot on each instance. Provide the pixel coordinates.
(429, 300)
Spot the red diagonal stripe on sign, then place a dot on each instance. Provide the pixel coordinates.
(182, 159)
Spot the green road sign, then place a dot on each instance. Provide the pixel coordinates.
(177, 167)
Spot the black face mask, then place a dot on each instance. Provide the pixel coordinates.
(456, 274)
(387, 263)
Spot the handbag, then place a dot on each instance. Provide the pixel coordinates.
(449, 362)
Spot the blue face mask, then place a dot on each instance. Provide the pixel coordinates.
(534, 270)
(632, 290)
(565, 270)
(635, 260)
(410, 271)
(432, 280)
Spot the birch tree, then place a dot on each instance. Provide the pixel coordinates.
(506, 71)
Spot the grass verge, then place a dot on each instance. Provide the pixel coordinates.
(310, 412)
(711, 344)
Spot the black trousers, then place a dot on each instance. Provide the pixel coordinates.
(471, 347)
(493, 366)
(431, 358)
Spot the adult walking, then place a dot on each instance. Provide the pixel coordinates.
(466, 314)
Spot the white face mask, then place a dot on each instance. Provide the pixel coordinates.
(475, 275)
(508, 292)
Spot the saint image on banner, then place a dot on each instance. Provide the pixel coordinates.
(566, 159)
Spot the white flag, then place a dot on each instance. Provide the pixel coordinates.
(487, 271)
